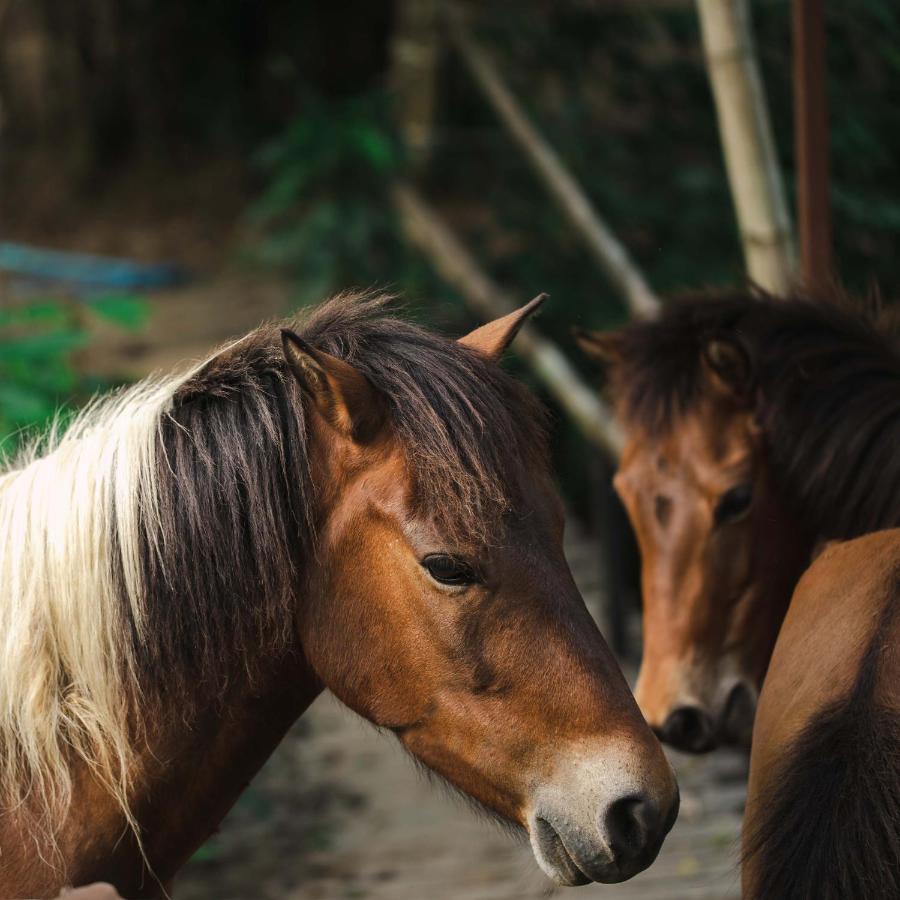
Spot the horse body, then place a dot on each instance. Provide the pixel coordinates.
(361, 506)
(823, 808)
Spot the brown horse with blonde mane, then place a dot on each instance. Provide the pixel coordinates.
(352, 503)
(757, 431)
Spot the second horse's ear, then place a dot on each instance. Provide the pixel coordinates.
(603, 347)
(729, 367)
(342, 395)
(492, 339)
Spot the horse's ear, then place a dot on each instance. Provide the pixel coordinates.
(603, 347)
(729, 366)
(492, 339)
(343, 396)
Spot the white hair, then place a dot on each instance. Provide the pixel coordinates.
(72, 507)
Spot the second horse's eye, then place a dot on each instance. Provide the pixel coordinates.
(734, 503)
(450, 570)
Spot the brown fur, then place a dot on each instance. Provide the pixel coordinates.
(236, 475)
(823, 811)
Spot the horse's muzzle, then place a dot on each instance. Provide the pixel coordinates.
(589, 834)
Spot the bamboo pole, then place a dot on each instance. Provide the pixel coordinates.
(811, 141)
(415, 53)
(425, 228)
(606, 249)
(749, 148)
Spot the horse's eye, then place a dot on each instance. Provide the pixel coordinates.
(734, 503)
(662, 507)
(450, 570)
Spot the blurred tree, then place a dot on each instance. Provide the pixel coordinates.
(415, 55)
(618, 88)
(104, 82)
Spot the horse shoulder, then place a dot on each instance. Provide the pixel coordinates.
(841, 610)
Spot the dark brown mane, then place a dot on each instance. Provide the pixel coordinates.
(225, 562)
(826, 378)
(831, 817)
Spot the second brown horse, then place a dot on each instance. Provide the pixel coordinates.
(759, 430)
(756, 430)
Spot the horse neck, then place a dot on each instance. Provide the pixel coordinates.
(238, 576)
(191, 770)
(218, 559)
(193, 775)
(833, 450)
(825, 773)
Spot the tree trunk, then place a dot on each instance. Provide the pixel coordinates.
(415, 54)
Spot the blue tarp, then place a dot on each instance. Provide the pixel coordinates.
(84, 272)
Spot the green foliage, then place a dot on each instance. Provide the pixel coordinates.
(324, 215)
(37, 376)
(124, 310)
(622, 93)
(35, 371)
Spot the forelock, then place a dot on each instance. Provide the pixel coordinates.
(469, 431)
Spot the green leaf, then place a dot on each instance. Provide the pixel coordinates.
(46, 312)
(125, 310)
(24, 405)
(375, 147)
(35, 347)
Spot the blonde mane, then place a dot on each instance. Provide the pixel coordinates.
(71, 508)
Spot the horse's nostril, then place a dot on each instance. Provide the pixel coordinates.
(689, 728)
(588, 832)
(630, 823)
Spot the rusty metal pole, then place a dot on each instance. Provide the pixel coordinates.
(811, 143)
